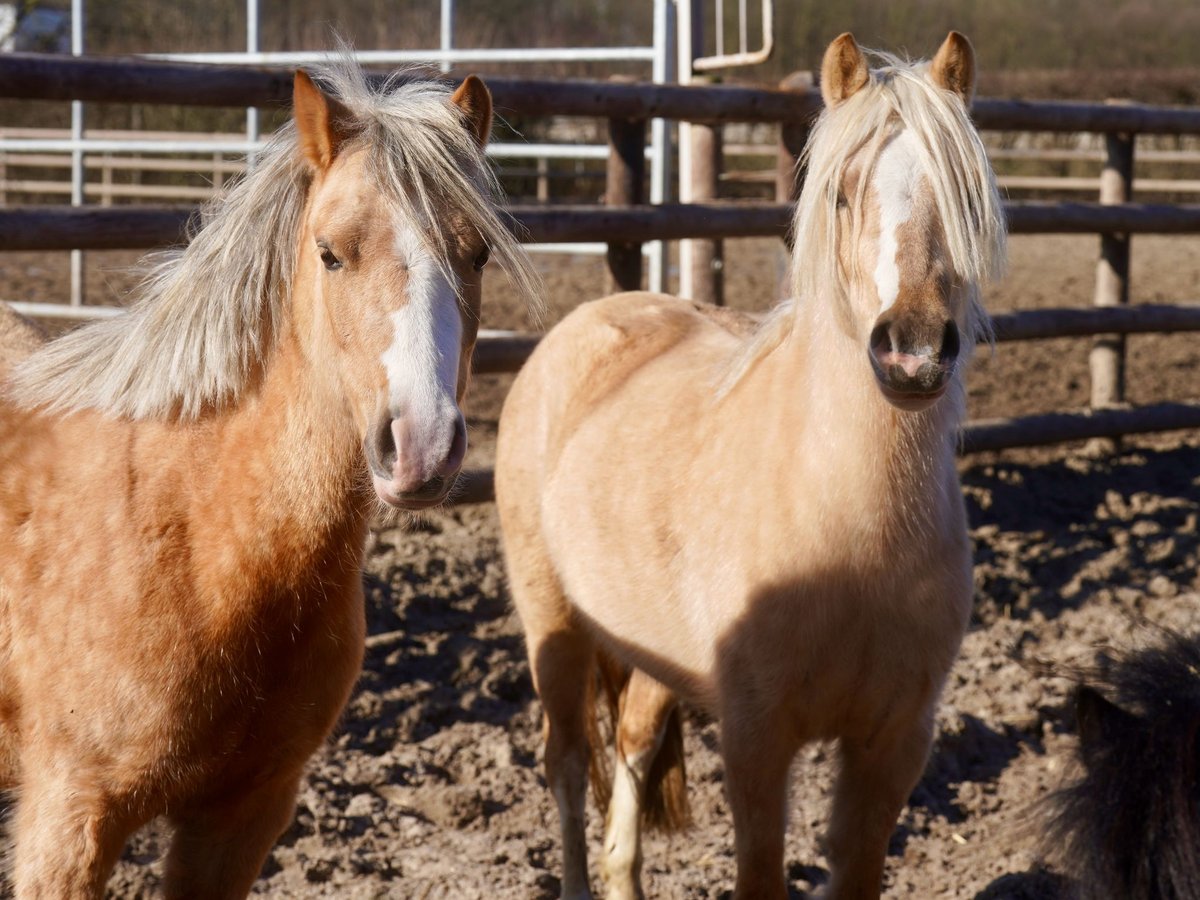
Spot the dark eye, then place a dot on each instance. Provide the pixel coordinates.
(841, 200)
(332, 263)
(482, 259)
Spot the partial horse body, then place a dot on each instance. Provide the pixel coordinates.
(184, 490)
(19, 337)
(1129, 826)
(771, 526)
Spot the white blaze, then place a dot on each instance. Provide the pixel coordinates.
(422, 360)
(896, 176)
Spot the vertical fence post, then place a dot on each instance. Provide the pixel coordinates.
(625, 186)
(543, 179)
(708, 255)
(1107, 360)
(792, 138)
(106, 180)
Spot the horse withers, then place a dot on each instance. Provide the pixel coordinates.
(184, 489)
(19, 337)
(770, 526)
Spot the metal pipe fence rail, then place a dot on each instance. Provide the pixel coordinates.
(624, 227)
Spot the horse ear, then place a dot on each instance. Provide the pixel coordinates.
(321, 122)
(953, 69)
(475, 101)
(843, 71)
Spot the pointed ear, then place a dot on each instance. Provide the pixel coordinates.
(843, 71)
(322, 123)
(953, 69)
(475, 101)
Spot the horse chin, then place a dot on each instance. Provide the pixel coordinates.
(415, 501)
(912, 401)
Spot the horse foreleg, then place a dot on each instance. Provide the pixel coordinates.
(758, 752)
(875, 780)
(218, 850)
(563, 664)
(66, 840)
(645, 710)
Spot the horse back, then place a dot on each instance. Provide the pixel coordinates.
(593, 353)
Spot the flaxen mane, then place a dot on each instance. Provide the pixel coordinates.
(963, 184)
(205, 318)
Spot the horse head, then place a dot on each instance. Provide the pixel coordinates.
(912, 196)
(393, 266)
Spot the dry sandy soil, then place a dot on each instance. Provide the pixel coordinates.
(432, 786)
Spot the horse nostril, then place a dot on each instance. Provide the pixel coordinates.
(458, 450)
(950, 343)
(881, 339)
(383, 445)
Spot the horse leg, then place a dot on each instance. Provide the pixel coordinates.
(758, 752)
(646, 707)
(876, 778)
(218, 849)
(66, 840)
(563, 665)
(562, 661)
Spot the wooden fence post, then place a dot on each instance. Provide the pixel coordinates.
(625, 186)
(792, 138)
(707, 255)
(789, 179)
(1107, 360)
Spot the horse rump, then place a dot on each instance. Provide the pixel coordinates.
(1129, 827)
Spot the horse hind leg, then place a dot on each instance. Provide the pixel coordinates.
(648, 715)
(875, 781)
(218, 849)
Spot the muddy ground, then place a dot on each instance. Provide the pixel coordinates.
(432, 786)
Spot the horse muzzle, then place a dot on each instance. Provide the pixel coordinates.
(415, 464)
(913, 366)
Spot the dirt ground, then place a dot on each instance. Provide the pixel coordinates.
(432, 786)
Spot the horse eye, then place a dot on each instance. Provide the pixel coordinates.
(332, 263)
(482, 259)
(841, 200)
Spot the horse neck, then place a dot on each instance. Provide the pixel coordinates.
(855, 451)
(293, 445)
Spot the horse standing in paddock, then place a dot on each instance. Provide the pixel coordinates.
(184, 490)
(1130, 826)
(770, 527)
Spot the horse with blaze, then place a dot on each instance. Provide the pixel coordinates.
(184, 490)
(768, 526)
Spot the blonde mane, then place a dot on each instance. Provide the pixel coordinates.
(205, 318)
(897, 95)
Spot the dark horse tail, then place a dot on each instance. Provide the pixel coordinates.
(1130, 827)
(664, 801)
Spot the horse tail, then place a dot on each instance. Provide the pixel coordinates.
(664, 798)
(1130, 826)
(666, 805)
(611, 678)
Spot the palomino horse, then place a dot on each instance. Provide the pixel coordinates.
(184, 490)
(770, 527)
